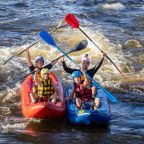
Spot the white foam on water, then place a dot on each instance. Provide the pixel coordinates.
(114, 6)
(114, 51)
(11, 127)
(66, 40)
(11, 93)
(6, 110)
(142, 7)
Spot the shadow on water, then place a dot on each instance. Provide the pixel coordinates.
(53, 126)
(61, 131)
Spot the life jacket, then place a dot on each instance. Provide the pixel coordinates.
(83, 78)
(82, 92)
(47, 89)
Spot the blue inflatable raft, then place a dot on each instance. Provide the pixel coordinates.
(87, 117)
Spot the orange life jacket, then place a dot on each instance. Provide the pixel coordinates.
(83, 78)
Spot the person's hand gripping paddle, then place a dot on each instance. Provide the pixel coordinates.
(48, 39)
(73, 22)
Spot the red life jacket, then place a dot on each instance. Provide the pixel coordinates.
(82, 92)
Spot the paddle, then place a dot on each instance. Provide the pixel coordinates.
(80, 46)
(58, 27)
(73, 22)
(48, 39)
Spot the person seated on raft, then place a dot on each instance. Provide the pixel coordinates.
(83, 93)
(47, 90)
(39, 63)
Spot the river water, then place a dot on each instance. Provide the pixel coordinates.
(117, 28)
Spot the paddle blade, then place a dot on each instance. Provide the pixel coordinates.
(47, 38)
(83, 44)
(72, 21)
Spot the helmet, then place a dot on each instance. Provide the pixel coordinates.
(85, 58)
(76, 74)
(43, 71)
(40, 58)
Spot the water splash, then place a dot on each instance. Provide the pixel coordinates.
(113, 6)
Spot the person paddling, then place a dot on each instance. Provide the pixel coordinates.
(82, 93)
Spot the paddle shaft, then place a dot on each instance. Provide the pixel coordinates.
(63, 55)
(48, 39)
(48, 64)
(58, 27)
(21, 52)
(111, 97)
(101, 51)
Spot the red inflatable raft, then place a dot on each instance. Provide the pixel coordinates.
(43, 110)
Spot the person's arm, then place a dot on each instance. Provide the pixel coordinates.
(60, 58)
(67, 69)
(29, 62)
(71, 94)
(54, 62)
(49, 66)
(37, 79)
(55, 88)
(96, 67)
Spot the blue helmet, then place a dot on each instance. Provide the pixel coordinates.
(76, 74)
